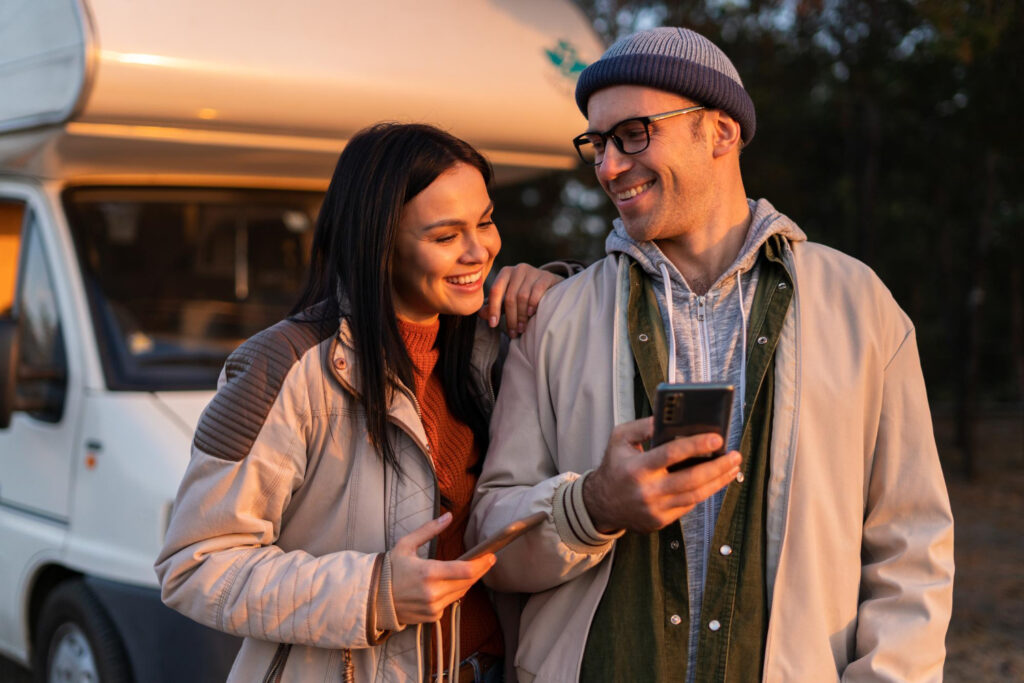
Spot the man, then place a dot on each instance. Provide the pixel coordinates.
(820, 546)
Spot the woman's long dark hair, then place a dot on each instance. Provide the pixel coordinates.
(350, 274)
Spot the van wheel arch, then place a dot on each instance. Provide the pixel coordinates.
(72, 616)
(47, 578)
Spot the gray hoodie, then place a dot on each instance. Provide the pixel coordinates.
(709, 332)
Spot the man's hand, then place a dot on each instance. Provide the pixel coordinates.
(421, 589)
(632, 489)
(519, 288)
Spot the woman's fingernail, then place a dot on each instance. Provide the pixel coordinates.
(493, 321)
(520, 327)
(445, 517)
(531, 310)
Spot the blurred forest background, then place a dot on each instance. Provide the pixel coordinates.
(890, 130)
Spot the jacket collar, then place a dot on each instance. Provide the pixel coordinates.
(765, 221)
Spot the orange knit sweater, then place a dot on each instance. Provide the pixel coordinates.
(454, 454)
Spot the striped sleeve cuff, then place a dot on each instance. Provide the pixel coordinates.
(573, 521)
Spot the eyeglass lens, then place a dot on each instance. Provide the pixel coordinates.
(629, 136)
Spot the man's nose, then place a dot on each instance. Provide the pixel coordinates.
(613, 164)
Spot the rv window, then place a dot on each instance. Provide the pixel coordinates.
(177, 278)
(42, 361)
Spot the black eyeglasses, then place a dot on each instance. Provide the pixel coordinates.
(631, 136)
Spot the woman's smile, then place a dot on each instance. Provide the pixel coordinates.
(467, 281)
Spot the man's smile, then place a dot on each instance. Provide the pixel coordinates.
(631, 192)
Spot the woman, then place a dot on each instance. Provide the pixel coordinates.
(337, 437)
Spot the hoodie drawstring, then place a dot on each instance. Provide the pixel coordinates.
(743, 342)
(667, 283)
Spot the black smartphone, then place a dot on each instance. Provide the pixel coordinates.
(505, 536)
(688, 409)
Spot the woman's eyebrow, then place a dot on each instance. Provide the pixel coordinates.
(444, 223)
(455, 222)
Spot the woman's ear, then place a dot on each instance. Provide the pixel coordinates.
(726, 134)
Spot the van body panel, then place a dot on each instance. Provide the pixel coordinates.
(185, 407)
(120, 505)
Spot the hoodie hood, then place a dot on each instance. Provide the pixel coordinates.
(765, 221)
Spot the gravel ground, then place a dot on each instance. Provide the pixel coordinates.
(986, 637)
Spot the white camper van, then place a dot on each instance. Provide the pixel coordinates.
(161, 165)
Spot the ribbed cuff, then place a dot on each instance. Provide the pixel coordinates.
(384, 604)
(573, 521)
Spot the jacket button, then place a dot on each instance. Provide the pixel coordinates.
(740, 477)
(643, 337)
(762, 340)
(714, 625)
(782, 285)
(675, 619)
(674, 545)
(725, 550)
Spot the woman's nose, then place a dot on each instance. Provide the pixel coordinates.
(475, 251)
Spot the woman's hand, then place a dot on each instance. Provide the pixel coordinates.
(421, 589)
(519, 288)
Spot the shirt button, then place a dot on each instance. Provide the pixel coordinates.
(675, 619)
(714, 625)
(725, 550)
(674, 545)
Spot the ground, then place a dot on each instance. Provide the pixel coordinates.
(986, 636)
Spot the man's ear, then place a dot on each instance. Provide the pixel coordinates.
(726, 134)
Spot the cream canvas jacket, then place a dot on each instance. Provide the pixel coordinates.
(859, 529)
(279, 526)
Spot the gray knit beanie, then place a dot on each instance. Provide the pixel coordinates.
(677, 60)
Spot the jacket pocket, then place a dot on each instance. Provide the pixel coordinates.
(276, 668)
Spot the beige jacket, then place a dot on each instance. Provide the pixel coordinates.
(278, 528)
(860, 537)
